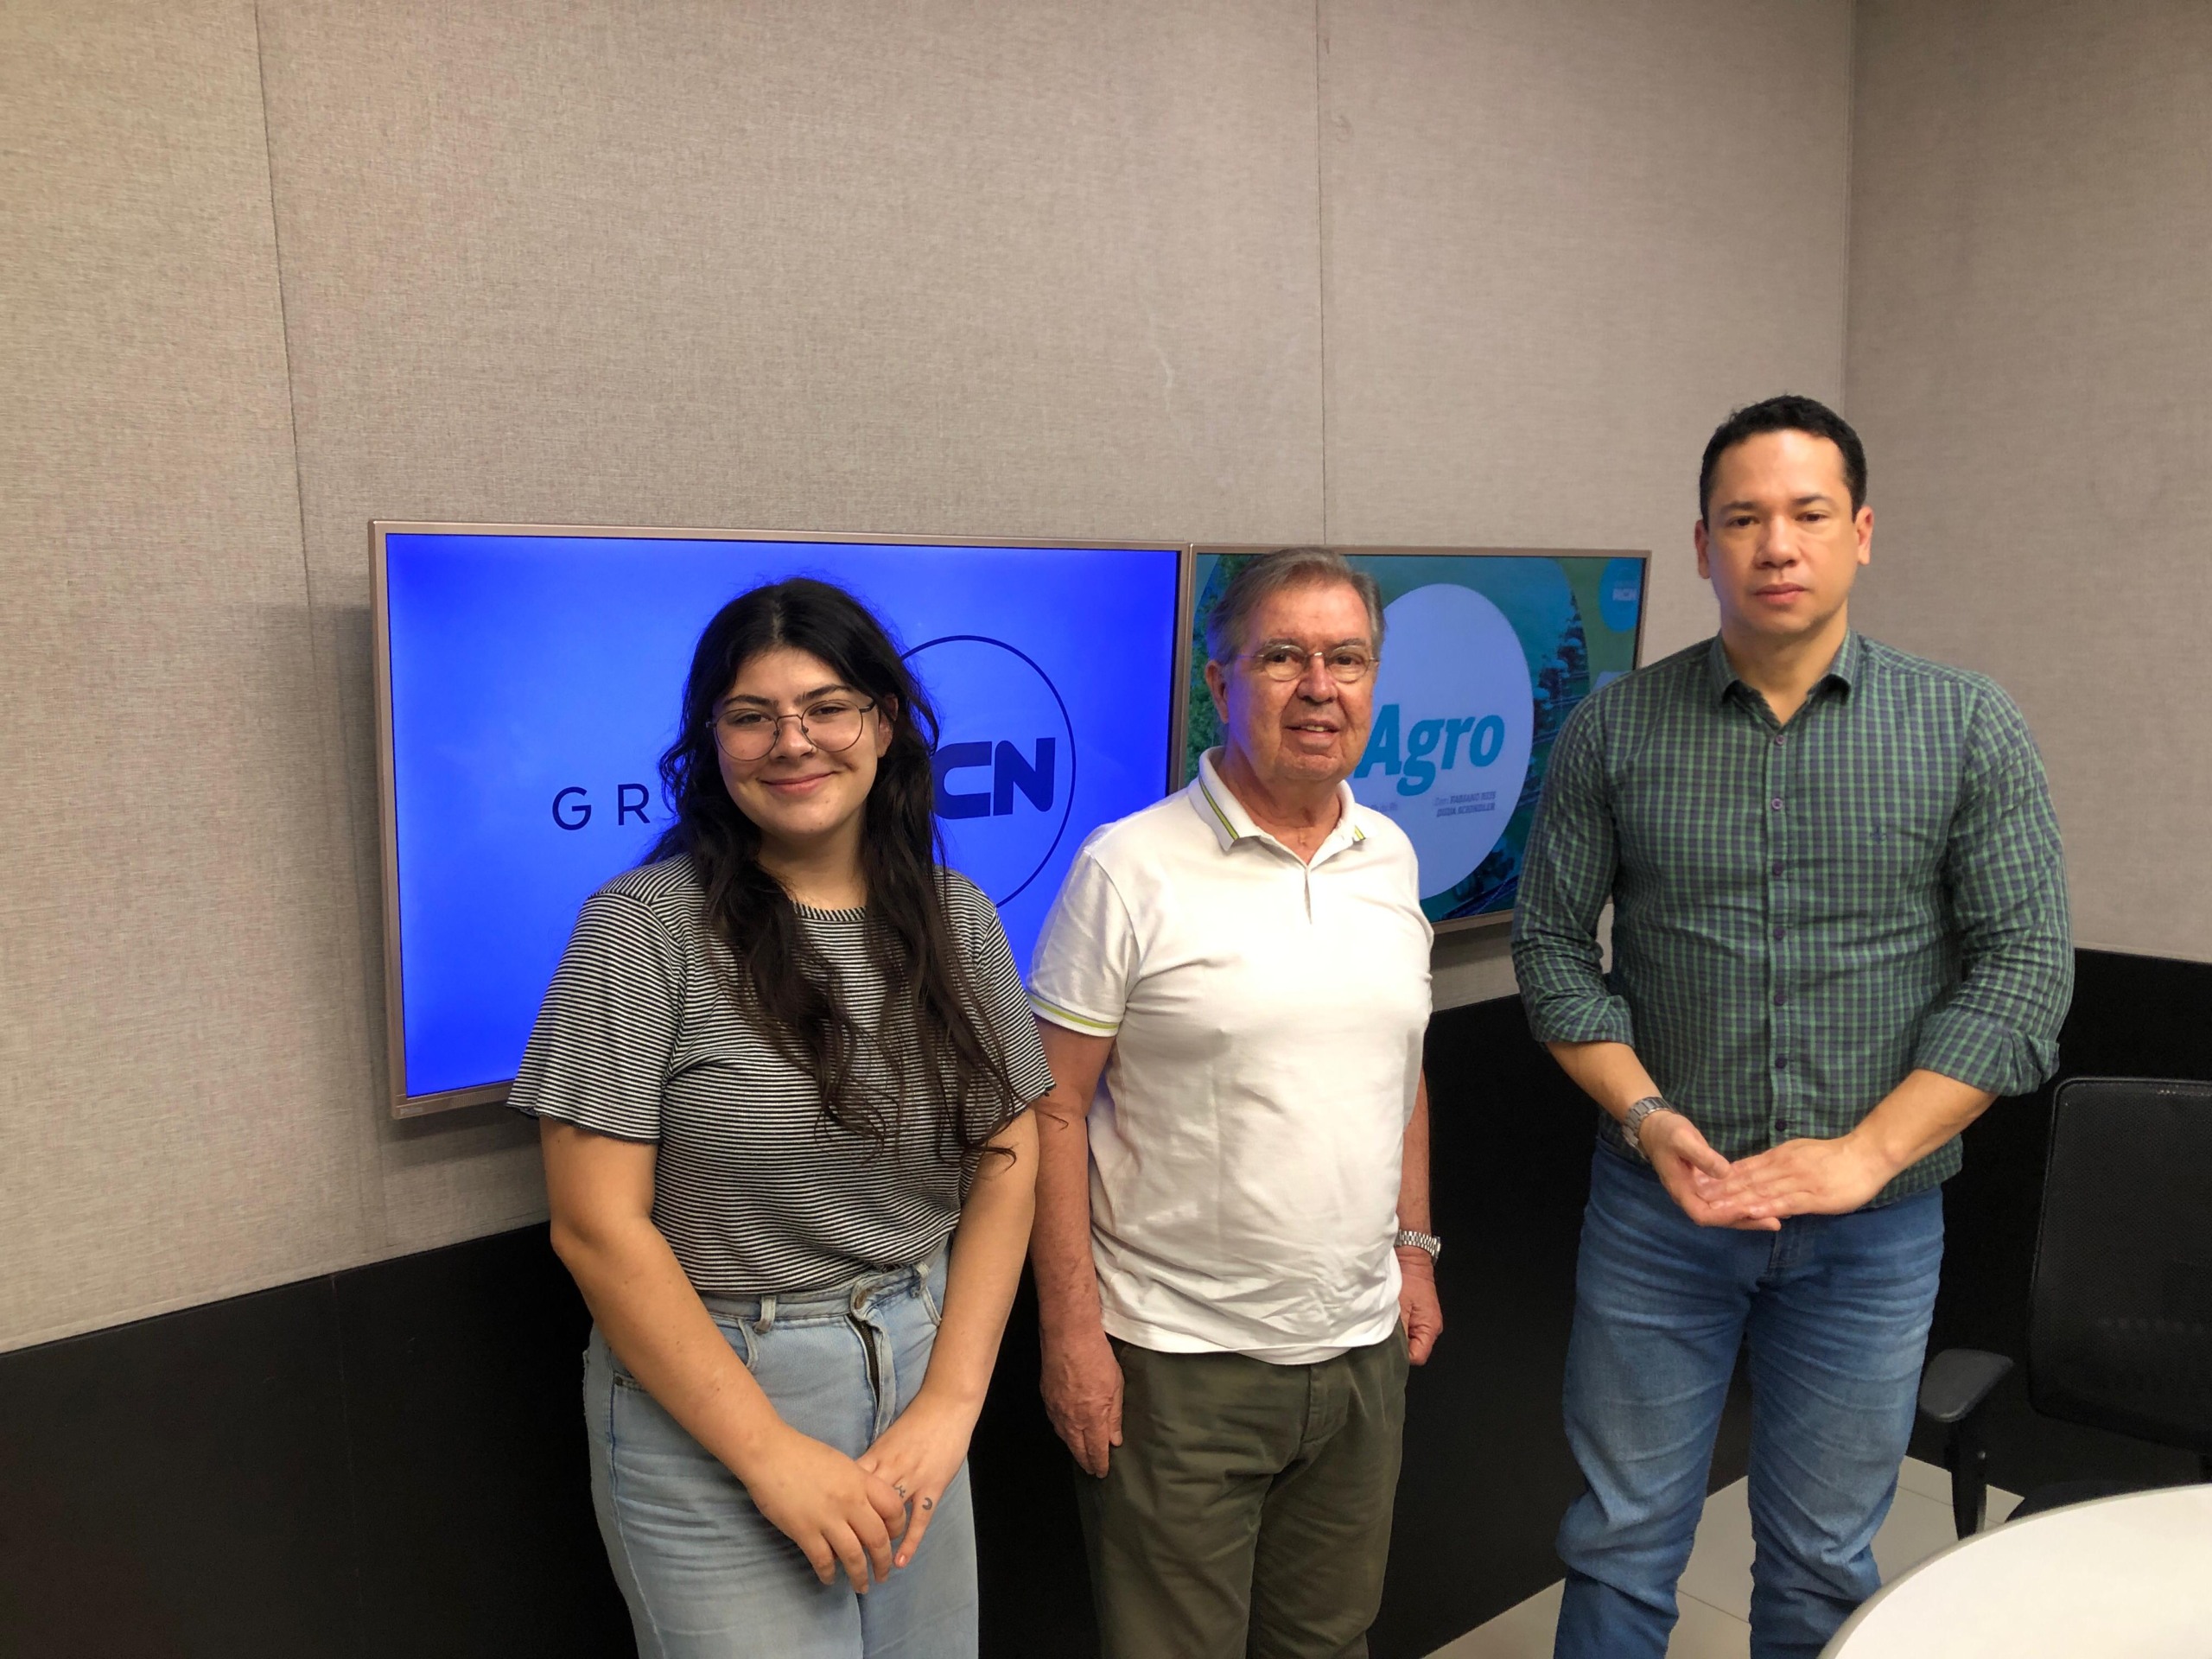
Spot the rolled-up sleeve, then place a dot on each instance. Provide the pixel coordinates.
(2004, 879)
(1566, 876)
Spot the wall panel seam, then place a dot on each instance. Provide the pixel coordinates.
(370, 1233)
(1321, 237)
(1850, 185)
(368, 1219)
(284, 336)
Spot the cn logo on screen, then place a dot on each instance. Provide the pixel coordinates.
(1454, 720)
(1005, 760)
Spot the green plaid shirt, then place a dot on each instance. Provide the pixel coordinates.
(1801, 913)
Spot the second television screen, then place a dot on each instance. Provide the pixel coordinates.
(1485, 655)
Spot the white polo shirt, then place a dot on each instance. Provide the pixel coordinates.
(1266, 1016)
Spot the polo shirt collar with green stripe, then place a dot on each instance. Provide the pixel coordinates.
(1844, 671)
(1231, 824)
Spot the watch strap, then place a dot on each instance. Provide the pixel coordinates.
(1408, 1239)
(1632, 1124)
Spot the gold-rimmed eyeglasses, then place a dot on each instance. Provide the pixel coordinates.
(832, 724)
(1286, 659)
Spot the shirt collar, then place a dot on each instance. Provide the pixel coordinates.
(1225, 814)
(1844, 671)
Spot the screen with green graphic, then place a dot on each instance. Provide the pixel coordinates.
(1484, 655)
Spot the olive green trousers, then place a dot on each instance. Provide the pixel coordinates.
(1246, 1514)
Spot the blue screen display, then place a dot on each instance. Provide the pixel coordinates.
(536, 679)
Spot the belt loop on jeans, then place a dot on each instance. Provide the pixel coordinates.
(767, 1322)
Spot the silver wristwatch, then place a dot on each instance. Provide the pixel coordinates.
(1632, 1124)
(1409, 1239)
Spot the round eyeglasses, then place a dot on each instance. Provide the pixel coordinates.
(1283, 660)
(833, 724)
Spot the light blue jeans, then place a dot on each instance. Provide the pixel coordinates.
(707, 1576)
(1833, 1311)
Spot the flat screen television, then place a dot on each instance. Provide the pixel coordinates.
(1485, 652)
(528, 678)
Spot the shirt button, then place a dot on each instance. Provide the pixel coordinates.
(1782, 1062)
(1777, 740)
(1777, 933)
(1778, 869)
(1780, 998)
(1775, 804)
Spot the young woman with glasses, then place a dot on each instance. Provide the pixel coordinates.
(782, 1076)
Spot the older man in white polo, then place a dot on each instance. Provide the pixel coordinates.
(1232, 1248)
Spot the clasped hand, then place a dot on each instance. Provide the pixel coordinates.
(867, 1514)
(1798, 1178)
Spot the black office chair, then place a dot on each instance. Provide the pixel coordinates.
(2120, 1318)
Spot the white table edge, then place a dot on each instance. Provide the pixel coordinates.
(1835, 1647)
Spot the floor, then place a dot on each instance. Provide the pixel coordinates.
(1716, 1587)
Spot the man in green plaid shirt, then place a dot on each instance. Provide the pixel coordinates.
(1838, 933)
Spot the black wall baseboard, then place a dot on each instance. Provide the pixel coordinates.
(383, 1461)
(391, 1460)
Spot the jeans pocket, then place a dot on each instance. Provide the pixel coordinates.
(621, 1376)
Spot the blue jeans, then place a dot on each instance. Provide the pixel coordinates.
(707, 1576)
(1833, 1311)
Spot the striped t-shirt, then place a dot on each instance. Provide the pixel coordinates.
(755, 1188)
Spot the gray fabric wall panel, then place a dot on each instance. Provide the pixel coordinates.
(1563, 240)
(935, 268)
(2030, 349)
(1559, 254)
(181, 1043)
(991, 269)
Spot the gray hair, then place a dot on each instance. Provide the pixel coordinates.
(1261, 578)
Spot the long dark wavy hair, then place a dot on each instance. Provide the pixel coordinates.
(931, 1053)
